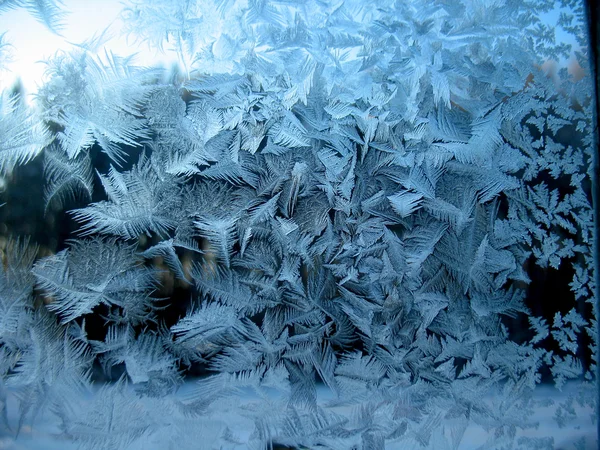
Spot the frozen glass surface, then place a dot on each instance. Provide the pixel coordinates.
(297, 224)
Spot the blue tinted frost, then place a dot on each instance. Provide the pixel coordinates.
(350, 196)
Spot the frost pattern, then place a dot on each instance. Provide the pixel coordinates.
(351, 192)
